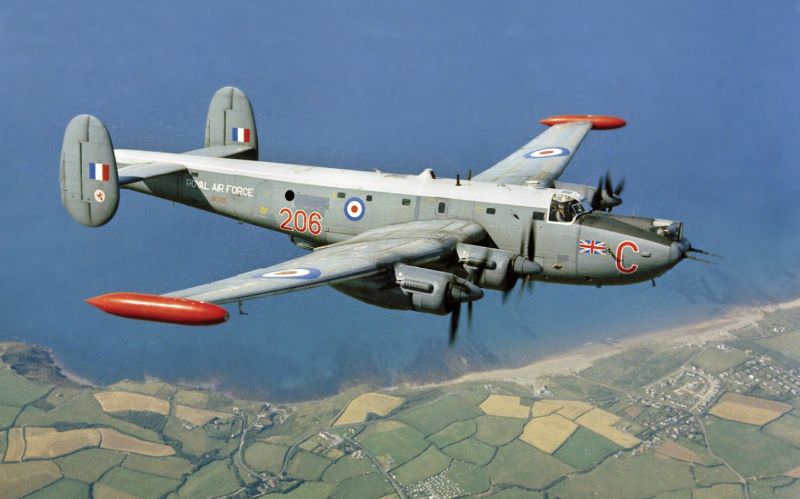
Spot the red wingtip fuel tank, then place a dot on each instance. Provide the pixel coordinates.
(598, 122)
(160, 308)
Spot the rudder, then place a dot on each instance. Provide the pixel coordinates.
(88, 172)
(231, 122)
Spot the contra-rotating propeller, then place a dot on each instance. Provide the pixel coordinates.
(607, 197)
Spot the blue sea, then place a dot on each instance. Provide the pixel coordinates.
(709, 90)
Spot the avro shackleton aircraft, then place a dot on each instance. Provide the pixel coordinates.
(411, 242)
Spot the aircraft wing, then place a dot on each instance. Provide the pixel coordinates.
(543, 160)
(367, 254)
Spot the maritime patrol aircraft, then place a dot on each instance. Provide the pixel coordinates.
(410, 242)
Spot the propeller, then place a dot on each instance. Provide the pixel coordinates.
(702, 252)
(607, 197)
(523, 252)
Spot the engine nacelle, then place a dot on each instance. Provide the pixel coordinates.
(434, 292)
(496, 268)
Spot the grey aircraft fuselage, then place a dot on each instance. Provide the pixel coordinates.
(316, 206)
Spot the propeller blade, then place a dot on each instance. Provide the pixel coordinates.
(469, 314)
(521, 292)
(454, 318)
(608, 187)
(620, 187)
(708, 262)
(703, 252)
(507, 293)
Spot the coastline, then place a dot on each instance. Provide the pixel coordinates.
(567, 362)
(579, 358)
(70, 375)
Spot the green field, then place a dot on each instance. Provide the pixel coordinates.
(90, 464)
(706, 477)
(471, 450)
(749, 451)
(574, 388)
(307, 466)
(584, 449)
(715, 360)
(214, 479)
(497, 430)
(637, 367)
(640, 476)
(265, 457)
(62, 489)
(521, 464)
(429, 463)
(401, 442)
(139, 484)
(347, 467)
(454, 433)
(516, 493)
(7, 415)
(17, 391)
(308, 490)
(787, 428)
(472, 479)
(170, 467)
(722, 491)
(787, 344)
(434, 416)
(194, 442)
(369, 486)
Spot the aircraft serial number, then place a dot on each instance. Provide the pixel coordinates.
(300, 221)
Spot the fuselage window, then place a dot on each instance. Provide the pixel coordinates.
(538, 215)
(442, 208)
(289, 195)
(340, 195)
(490, 211)
(406, 202)
(369, 197)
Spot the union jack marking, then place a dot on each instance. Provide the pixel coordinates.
(592, 247)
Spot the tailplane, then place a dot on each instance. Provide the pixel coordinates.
(89, 182)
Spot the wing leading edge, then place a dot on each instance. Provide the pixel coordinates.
(543, 160)
(369, 254)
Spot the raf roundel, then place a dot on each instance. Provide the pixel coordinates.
(354, 209)
(548, 152)
(309, 273)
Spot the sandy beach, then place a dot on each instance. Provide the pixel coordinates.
(577, 359)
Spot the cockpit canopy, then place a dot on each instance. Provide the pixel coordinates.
(566, 206)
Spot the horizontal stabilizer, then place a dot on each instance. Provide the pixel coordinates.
(141, 171)
(229, 151)
(88, 172)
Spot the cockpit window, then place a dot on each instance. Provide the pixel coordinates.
(565, 207)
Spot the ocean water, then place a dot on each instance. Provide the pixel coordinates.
(709, 91)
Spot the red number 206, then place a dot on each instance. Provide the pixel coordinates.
(300, 221)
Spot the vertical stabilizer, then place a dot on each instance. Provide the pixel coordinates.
(89, 184)
(231, 123)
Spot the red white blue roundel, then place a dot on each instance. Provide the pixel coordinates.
(548, 152)
(309, 273)
(354, 209)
